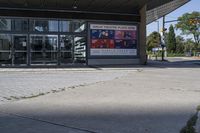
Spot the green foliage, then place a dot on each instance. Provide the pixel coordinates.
(171, 40)
(189, 128)
(175, 54)
(198, 108)
(153, 40)
(189, 28)
(189, 45)
(180, 44)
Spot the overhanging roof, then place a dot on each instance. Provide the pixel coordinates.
(107, 6)
(155, 8)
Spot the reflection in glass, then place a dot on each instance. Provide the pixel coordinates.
(66, 47)
(19, 25)
(36, 43)
(44, 49)
(44, 25)
(79, 26)
(5, 42)
(5, 49)
(20, 48)
(5, 24)
(43, 41)
(66, 42)
(66, 57)
(5, 58)
(37, 57)
(72, 26)
(51, 43)
(20, 42)
(64, 26)
(80, 49)
(50, 57)
(20, 58)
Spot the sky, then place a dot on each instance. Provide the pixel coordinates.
(193, 5)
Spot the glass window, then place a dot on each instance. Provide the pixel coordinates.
(66, 43)
(51, 42)
(65, 26)
(20, 25)
(72, 26)
(20, 42)
(5, 42)
(36, 42)
(79, 26)
(5, 49)
(44, 25)
(5, 24)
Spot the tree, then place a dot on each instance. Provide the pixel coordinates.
(189, 45)
(189, 24)
(171, 40)
(153, 40)
(180, 44)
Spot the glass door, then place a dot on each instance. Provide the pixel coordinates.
(20, 49)
(66, 49)
(44, 49)
(72, 49)
(5, 49)
(50, 49)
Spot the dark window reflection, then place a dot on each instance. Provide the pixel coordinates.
(5, 49)
(20, 25)
(51, 43)
(5, 42)
(36, 43)
(20, 42)
(66, 42)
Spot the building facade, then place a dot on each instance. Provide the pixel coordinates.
(60, 33)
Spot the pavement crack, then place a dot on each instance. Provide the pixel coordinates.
(48, 122)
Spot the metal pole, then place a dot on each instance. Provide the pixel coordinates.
(158, 26)
(163, 38)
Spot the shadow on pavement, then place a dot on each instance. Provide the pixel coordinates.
(94, 122)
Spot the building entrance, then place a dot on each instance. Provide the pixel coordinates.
(13, 49)
(44, 49)
(19, 50)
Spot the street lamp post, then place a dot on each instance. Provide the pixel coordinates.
(164, 44)
(158, 25)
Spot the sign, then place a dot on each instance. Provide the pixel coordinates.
(113, 52)
(113, 40)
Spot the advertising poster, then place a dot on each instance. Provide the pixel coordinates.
(113, 40)
(103, 34)
(103, 43)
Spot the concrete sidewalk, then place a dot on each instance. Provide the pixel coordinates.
(149, 101)
(23, 84)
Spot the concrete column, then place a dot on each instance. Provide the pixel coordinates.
(142, 36)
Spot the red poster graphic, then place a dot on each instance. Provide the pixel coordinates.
(125, 34)
(103, 43)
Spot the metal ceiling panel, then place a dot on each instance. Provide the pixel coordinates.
(158, 12)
